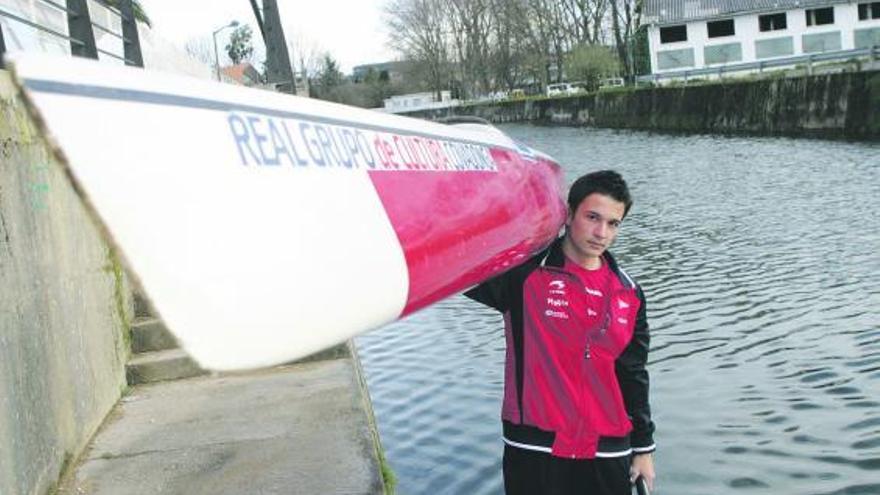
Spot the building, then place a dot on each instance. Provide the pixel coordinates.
(386, 71)
(243, 73)
(418, 101)
(713, 37)
(246, 74)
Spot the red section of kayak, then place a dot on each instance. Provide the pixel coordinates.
(460, 228)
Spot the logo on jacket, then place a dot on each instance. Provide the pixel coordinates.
(556, 287)
(623, 304)
(556, 314)
(593, 292)
(557, 303)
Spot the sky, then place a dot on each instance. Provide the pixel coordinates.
(352, 31)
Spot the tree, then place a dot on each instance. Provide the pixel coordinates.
(307, 57)
(583, 21)
(240, 47)
(330, 75)
(474, 46)
(419, 30)
(200, 48)
(625, 19)
(545, 43)
(139, 13)
(504, 48)
(471, 28)
(641, 53)
(377, 87)
(591, 63)
(328, 79)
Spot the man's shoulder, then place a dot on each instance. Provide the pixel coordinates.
(629, 279)
(622, 274)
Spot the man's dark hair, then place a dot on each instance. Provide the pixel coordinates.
(607, 182)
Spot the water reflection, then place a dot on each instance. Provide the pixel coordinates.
(760, 260)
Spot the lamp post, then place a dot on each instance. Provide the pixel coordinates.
(217, 55)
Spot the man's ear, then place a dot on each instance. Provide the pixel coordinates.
(568, 218)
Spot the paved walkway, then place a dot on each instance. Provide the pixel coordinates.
(298, 429)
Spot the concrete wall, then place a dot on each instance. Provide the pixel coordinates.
(845, 105)
(63, 312)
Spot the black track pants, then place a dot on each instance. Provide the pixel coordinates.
(527, 472)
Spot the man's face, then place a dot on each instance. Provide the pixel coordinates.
(593, 226)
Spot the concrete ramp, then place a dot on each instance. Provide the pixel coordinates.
(302, 429)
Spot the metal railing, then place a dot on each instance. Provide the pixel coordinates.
(81, 30)
(872, 52)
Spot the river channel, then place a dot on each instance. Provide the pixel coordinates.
(760, 258)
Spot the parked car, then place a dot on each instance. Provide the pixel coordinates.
(611, 82)
(561, 89)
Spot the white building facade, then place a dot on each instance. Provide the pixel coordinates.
(417, 101)
(708, 37)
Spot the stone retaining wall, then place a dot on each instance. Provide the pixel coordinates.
(844, 105)
(64, 312)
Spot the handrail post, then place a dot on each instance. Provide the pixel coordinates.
(79, 25)
(2, 47)
(278, 67)
(130, 39)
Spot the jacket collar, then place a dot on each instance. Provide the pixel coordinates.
(554, 257)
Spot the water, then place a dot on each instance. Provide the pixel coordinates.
(761, 261)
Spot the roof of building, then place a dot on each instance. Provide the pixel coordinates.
(678, 11)
(243, 73)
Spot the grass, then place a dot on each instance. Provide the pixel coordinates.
(388, 476)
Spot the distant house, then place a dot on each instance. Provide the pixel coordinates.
(418, 101)
(706, 37)
(247, 75)
(243, 73)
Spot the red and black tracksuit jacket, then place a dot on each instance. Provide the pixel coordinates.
(575, 383)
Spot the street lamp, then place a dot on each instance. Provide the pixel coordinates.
(214, 35)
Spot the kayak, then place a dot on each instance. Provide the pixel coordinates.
(264, 227)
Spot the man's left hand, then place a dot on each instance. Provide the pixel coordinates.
(642, 465)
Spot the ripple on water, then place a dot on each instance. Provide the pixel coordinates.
(738, 483)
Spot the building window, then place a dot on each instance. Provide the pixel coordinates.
(675, 59)
(672, 34)
(821, 42)
(776, 47)
(819, 17)
(772, 22)
(718, 29)
(866, 38)
(722, 54)
(869, 10)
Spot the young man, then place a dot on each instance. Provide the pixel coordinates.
(576, 417)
